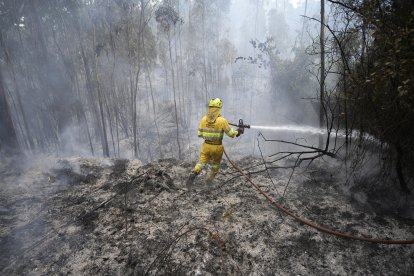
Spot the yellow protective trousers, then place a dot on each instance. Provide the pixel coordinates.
(212, 153)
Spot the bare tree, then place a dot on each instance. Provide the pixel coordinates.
(167, 17)
(8, 137)
(28, 135)
(322, 73)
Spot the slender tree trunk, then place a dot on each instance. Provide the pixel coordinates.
(18, 96)
(117, 131)
(345, 110)
(181, 70)
(154, 113)
(58, 118)
(113, 97)
(30, 83)
(399, 169)
(22, 141)
(88, 132)
(123, 117)
(8, 138)
(322, 78)
(177, 70)
(90, 85)
(174, 94)
(40, 37)
(134, 115)
(28, 135)
(133, 98)
(204, 52)
(303, 24)
(83, 113)
(105, 147)
(110, 122)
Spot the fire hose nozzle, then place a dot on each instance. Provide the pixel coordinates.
(243, 125)
(240, 125)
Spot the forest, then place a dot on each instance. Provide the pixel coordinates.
(132, 78)
(326, 87)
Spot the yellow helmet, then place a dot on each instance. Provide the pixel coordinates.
(215, 103)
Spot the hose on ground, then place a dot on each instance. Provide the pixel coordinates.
(311, 224)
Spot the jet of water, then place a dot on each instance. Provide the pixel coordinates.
(292, 128)
(315, 130)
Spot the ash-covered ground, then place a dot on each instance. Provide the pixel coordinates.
(84, 216)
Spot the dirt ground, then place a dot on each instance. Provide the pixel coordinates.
(85, 216)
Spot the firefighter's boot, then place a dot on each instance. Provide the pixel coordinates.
(191, 178)
(211, 177)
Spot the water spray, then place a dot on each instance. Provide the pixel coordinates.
(290, 128)
(307, 129)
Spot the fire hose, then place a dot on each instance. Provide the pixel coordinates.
(309, 223)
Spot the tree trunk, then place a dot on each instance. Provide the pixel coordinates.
(154, 113)
(105, 147)
(40, 37)
(8, 138)
(134, 94)
(322, 80)
(346, 111)
(204, 53)
(18, 96)
(104, 140)
(399, 169)
(303, 25)
(174, 94)
(90, 84)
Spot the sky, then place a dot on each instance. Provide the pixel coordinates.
(242, 18)
(296, 3)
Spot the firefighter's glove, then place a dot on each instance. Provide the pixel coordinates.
(240, 131)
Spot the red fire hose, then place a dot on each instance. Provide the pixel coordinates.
(311, 224)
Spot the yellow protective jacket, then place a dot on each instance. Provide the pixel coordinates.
(212, 127)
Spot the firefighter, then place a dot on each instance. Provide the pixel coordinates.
(212, 128)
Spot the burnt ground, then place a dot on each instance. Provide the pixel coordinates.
(85, 216)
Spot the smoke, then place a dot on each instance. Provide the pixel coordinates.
(74, 142)
(59, 111)
(370, 180)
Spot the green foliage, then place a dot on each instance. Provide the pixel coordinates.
(384, 83)
(380, 89)
(167, 16)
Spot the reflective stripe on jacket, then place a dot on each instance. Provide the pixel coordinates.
(213, 131)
